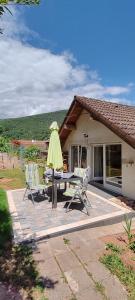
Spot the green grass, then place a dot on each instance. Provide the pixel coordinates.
(16, 176)
(66, 241)
(125, 274)
(5, 221)
(132, 246)
(99, 287)
(114, 248)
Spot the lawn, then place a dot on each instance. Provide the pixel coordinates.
(12, 179)
(5, 221)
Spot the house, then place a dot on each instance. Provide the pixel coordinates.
(24, 144)
(101, 135)
(43, 145)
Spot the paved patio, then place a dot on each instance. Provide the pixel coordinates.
(72, 270)
(40, 220)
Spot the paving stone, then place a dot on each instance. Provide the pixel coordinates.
(98, 270)
(90, 294)
(78, 279)
(114, 289)
(59, 290)
(57, 245)
(48, 267)
(74, 239)
(43, 251)
(89, 251)
(67, 261)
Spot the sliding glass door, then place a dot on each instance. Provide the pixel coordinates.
(98, 164)
(107, 165)
(113, 165)
(78, 157)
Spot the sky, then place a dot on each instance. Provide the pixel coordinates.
(62, 48)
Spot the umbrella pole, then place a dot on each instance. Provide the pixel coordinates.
(52, 188)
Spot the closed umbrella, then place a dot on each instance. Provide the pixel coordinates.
(54, 158)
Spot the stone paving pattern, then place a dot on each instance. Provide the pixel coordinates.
(41, 216)
(70, 268)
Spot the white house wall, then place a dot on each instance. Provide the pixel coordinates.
(100, 134)
(128, 171)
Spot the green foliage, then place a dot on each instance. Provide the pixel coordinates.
(99, 287)
(32, 127)
(66, 241)
(27, 2)
(132, 246)
(128, 228)
(31, 153)
(5, 221)
(125, 274)
(113, 248)
(4, 145)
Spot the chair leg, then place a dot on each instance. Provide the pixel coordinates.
(85, 205)
(67, 209)
(32, 197)
(25, 194)
(87, 200)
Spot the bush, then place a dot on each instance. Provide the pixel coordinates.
(32, 153)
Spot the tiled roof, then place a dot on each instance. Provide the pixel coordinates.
(27, 143)
(117, 117)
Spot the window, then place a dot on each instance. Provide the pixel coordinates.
(78, 157)
(98, 162)
(113, 165)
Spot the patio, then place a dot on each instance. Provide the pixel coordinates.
(41, 221)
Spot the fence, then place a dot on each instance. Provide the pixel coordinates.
(9, 162)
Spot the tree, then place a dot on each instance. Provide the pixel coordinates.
(4, 8)
(4, 145)
(32, 153)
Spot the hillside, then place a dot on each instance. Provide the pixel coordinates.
(31, 127)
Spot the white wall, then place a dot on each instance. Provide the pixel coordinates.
(128, 171)
(100, 134)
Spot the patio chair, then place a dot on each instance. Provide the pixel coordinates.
(79, 193)
(80, 172)
(33, 181)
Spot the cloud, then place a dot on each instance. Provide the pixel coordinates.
(34, 80)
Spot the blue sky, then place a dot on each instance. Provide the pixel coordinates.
(91, 43)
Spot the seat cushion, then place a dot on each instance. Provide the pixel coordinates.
(69, 192)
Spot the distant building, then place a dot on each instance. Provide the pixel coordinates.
(42, 145)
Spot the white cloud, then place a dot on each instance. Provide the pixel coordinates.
(34, 80)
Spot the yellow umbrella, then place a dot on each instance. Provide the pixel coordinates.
(54, 158)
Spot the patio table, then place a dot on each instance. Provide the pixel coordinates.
(58, 181)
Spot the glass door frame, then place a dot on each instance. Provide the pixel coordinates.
(97, 178)
(112, 187)
(77, 145)
(117, 189)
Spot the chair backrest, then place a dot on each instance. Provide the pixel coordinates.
(86, 178)
(82, 173)
(79, 172)
(32, 175)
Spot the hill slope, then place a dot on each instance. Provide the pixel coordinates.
(31, 127)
